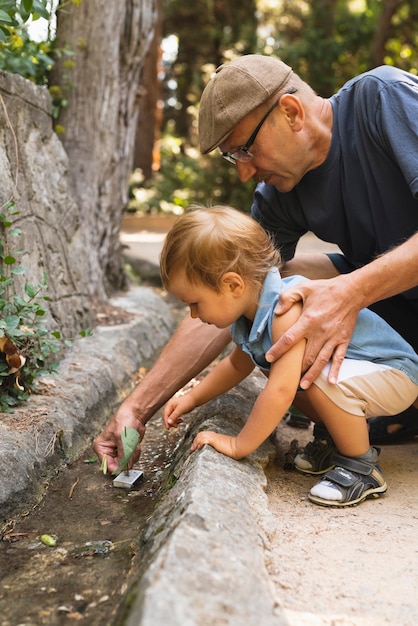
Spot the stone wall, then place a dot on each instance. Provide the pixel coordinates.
(33, 173)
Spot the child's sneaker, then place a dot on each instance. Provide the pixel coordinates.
(352, 480)
(317, 456)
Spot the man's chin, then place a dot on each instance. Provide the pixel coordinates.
(281, 184)
(272, 179)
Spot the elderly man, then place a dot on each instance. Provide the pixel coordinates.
(345, 168)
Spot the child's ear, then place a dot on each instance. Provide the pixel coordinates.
(233, 283)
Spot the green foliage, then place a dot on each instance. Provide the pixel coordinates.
(208, 33)
(328, 42)
(30, 59)
(18, 53)
(27, 347)
(185, 178)
(14, 14)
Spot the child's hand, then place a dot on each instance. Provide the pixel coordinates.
(176, 407)
(222, 443)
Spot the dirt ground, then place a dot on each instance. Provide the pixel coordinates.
(96, 528)
(351, 567)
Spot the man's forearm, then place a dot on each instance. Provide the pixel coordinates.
(192, 348)
(386, 276)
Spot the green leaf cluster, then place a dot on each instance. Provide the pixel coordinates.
(14, 14)
(22, 321)
(18, 53)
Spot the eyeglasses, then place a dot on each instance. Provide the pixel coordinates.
(243, 154)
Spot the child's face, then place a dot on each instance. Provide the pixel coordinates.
(221, 308)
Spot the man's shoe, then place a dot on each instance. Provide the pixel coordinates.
(407, 423)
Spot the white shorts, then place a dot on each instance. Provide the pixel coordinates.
(369, 389)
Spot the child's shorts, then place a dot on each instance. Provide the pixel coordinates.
(369, 389)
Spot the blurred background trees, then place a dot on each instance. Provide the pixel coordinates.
(156, 104)
(327, 42)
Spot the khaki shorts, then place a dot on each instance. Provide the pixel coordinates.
(369, 389)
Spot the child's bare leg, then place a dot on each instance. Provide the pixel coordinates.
(301, 402)
(318, 455)
(356, 475)
(349, 432)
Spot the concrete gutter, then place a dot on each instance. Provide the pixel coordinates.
(55, 426)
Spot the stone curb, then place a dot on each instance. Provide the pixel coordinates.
(91, 382)
(205, 548)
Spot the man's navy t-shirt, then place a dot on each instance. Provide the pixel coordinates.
(364, 197)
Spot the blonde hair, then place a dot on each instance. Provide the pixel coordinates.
(207, 243)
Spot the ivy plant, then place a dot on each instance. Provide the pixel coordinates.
(27, 348)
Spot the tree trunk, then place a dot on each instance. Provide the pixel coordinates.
(377, 53)
(150, 117)
(101, 82)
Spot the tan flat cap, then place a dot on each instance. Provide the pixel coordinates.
(235, 90)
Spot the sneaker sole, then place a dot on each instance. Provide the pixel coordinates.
(370, 493)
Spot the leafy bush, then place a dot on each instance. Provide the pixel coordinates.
(27, 347)
(18, 53)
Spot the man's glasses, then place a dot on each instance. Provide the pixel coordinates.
(243, 154)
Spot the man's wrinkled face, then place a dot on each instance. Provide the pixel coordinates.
(278, 154)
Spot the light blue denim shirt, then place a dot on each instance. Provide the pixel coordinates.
(372, 340)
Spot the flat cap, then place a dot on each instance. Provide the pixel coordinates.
(235, 90)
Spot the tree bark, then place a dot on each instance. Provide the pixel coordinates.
(101, 82)
(377, 53)
(150, 117)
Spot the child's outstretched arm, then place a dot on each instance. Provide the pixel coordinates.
(225, 375)
(270, 405)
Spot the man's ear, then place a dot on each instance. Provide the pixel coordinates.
(293, 110)
(232, 283)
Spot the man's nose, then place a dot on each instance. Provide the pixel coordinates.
(245, 171)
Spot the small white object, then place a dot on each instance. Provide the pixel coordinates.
(127, 480)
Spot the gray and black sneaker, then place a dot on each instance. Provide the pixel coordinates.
(317, 456)
(351, 481)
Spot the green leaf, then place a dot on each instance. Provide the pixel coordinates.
(87, 332)
(30, 290)
(12, 321)
(28, 4)
(9, 260)
(39, 8)
(103, 466)
(130, 440)
(4, 17)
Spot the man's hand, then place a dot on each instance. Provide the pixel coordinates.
(327, 321)
(109, 442)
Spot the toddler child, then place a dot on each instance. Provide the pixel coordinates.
(222, 264)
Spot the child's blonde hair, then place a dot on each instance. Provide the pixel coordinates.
(207, 243)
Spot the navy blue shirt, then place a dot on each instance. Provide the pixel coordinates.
(364, 197)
